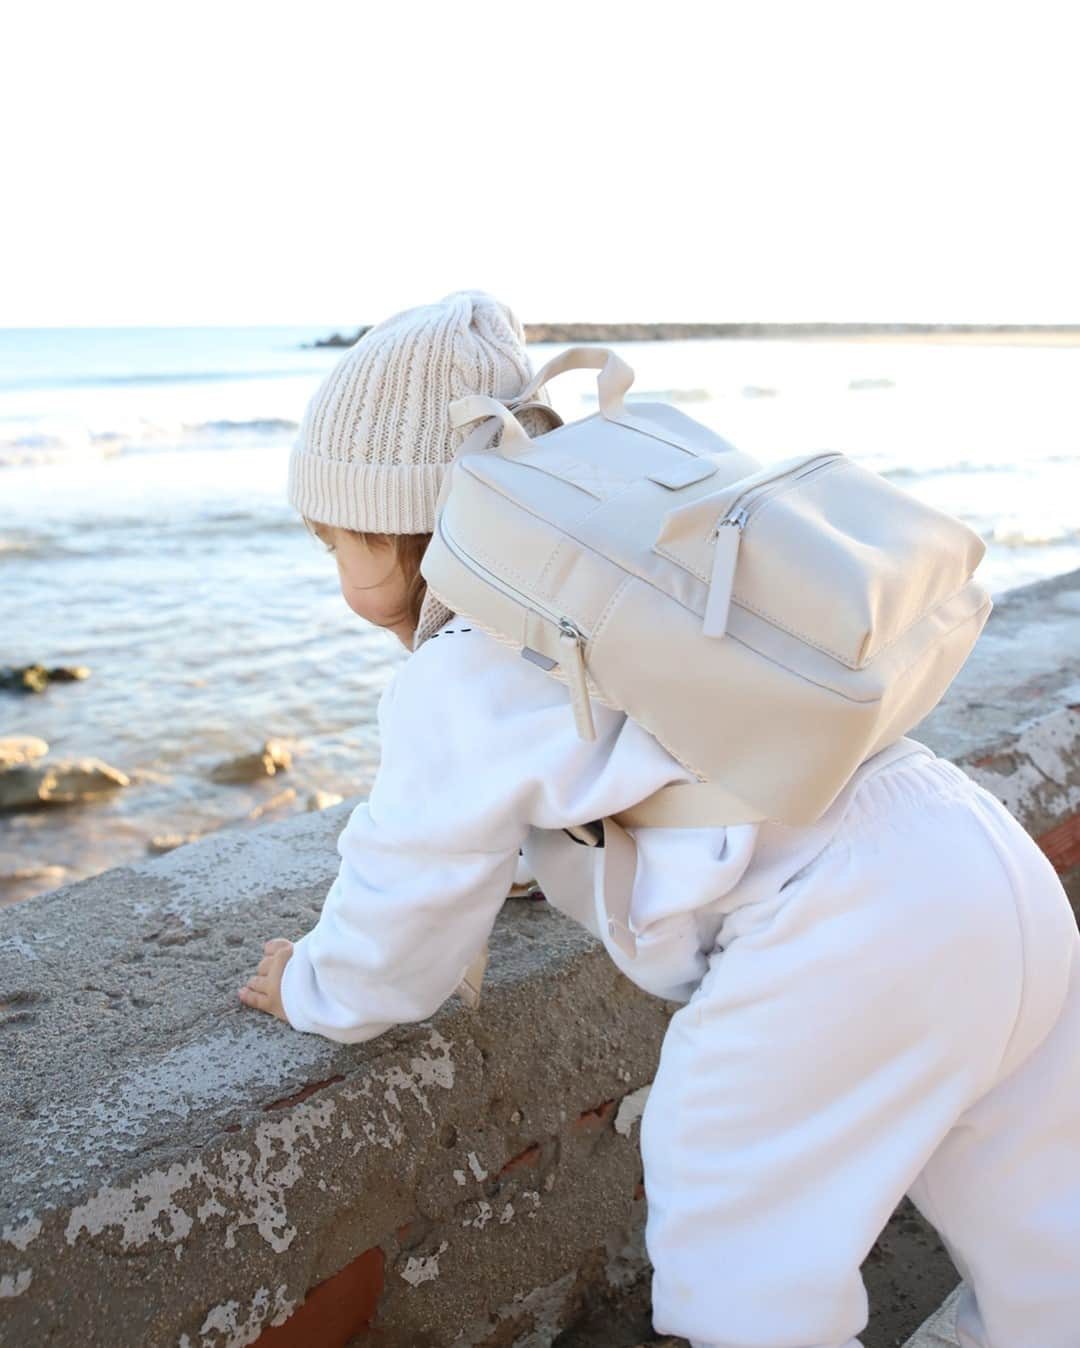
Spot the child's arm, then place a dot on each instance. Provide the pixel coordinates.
(477, 746)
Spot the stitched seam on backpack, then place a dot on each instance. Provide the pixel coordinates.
(679, 562)
(499, 564)
(598, 626)
(792, 631)
(547, 566)
(545, 520)
(920, 617)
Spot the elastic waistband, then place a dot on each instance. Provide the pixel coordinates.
(905, 783)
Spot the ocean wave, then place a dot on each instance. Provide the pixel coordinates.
(938, 469)
(1014, 535)
(671, 395)
(11, 545)
(29, 447)
(257, 426)
(35, 447)
(141, 378)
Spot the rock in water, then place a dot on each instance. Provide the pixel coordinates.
(272, 758)
(16, 750)
(43, 872)
(166, 842)
(36, 678)
(58, 783)
(24, 678)
(322, 800)
(69, 673)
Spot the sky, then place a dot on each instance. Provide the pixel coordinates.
(753, 160)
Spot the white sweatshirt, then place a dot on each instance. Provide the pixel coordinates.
(480, 758)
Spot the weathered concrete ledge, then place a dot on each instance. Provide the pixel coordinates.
(181, 1171)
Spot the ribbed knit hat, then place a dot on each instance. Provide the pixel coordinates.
(376, 441)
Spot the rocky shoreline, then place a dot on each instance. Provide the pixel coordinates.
(31, 781)
(1065, 334)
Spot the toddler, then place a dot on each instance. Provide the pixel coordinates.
(884, 1003)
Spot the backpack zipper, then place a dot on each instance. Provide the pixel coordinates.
(727, 532)
(571, 638)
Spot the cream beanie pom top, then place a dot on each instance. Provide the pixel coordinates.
(376, 440)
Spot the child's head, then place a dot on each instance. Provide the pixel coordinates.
(379, 574)
(376, 443)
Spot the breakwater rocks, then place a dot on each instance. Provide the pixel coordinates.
(663, 332)
(336, 339)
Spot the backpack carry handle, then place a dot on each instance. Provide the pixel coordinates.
(515, 439)
(612, 383)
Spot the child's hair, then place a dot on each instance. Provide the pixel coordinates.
(408, 551)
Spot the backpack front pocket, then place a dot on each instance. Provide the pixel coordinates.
(824, 549)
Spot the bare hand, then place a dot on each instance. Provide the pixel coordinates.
(263, 988)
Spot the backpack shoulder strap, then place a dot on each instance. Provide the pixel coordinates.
(688, 805)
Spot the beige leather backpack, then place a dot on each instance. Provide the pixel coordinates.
(772, 626)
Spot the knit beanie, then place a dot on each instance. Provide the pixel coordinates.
(375, 442)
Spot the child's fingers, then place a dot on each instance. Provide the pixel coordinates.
(258, 983)
(277, 943)
(252, 998)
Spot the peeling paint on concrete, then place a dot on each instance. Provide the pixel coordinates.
(246, 1188)
(474, 1165)
(14, 1285)
(1036, 774)
(483, 1216)
(380, 1090)
(426, 1269)
(631, 1108)
(459, 1176)
(223, 1327)
(21, 1236)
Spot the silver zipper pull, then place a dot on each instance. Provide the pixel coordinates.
(573, 664)
(727, 534)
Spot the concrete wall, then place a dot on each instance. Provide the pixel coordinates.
(180, 1171)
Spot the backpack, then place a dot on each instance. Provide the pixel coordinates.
(773, 626)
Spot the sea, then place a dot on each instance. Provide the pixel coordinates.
(144, 533)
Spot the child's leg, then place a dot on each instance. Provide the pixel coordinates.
(839, 1034)
(1003, 1188)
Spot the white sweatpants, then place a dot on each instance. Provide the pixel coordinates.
(903, 1017)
